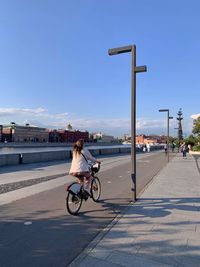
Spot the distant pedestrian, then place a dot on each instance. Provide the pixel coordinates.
(144, 148)
(148, 148)
(173, 146)
(165, 148)
(184, 150)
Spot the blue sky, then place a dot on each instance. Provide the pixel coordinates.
(55, 68)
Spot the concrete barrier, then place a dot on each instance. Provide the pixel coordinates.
(124, 150)
(107, 151)
(34, 157)
(9, 159)
(94, 152)
(45, 156)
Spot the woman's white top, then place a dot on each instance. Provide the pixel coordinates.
(79, 164)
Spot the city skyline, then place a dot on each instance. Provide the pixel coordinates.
(66, 127)
(14, 132)
(55, 67)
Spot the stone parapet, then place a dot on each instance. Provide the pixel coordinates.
(33, 157)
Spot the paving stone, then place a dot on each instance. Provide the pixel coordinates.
(161, 229)
(91, 262)
(127, 260)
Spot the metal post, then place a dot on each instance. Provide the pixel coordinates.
(1, 133)
(168, 118)
(168, 135)
(134, 69)
(133, 123)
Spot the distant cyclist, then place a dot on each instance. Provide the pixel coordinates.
(79, 165)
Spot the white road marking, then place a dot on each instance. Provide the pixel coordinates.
(143, 161)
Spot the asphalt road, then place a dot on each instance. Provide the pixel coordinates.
(38, 231)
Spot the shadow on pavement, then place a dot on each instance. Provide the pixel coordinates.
(113, 206)
(152, 230)
(46, 237)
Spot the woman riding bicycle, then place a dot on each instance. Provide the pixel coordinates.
(79, 166)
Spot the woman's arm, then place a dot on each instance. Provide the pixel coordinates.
(89, 156)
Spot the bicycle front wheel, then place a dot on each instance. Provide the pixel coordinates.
(73, 203)
(95, 189)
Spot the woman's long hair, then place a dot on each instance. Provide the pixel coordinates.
(78, 146)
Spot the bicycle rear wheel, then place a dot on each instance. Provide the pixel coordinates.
(73, 202)
(95, 189)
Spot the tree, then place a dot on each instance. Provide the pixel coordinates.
(172, 139)
(196, 126)
(191, 140)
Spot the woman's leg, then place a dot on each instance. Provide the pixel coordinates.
(87, 182)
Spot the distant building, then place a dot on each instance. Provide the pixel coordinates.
(54, 136)
(27, 133)
(150, 140)
(140, 139)
(68, 136)
(103, 137)
(154, 139)
(160, 139)
(126, 137)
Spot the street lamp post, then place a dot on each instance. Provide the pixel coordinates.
(1, 132)
(168, 118)
(135, 69)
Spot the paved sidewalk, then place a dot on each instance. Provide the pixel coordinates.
(161, 229)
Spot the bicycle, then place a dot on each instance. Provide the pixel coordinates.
(76, 193)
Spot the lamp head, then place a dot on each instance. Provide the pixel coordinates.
(163, 110)
(120, 50)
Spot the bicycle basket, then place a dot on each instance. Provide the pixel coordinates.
(95, 168)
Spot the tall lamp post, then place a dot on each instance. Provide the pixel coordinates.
(135, 69)
(168, 118)
(1, 133)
